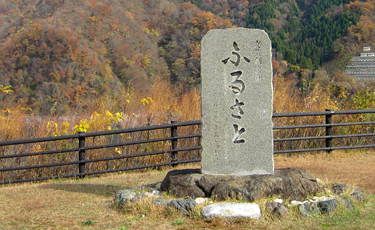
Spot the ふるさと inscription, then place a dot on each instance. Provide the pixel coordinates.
(236, 102)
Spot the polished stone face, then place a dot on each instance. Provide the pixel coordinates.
(237, 96)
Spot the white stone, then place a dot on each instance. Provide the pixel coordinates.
(294, 203)
(320, 198)
(230, 210)
(154, 193)
(320, 182)
(280, 201)
(201, 200)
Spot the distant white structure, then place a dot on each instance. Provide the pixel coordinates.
(362, 67)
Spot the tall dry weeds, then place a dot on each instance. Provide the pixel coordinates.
(161, 104)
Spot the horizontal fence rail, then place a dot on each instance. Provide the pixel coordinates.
(161, 145)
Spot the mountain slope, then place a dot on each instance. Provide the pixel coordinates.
(58, 54)
(302, 31)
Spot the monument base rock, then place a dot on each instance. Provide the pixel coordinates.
(287, 183)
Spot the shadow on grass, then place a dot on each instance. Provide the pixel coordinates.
(97, 189)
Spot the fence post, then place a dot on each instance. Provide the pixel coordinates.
(174, 133)
(329, 129)
(82, 157)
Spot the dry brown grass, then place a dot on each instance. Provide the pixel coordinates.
(67, 204)
(355, 168)
(161, 103)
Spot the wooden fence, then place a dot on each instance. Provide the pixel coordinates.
(293, 133)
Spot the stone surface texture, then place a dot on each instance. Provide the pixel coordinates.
(277, 209)
(308, 209)
(327, 206)
(136, 194)
(237, 137)
(184, 205)
(289, 184)
(232, 210)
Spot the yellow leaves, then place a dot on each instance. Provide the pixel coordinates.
(7, 111)
(295, 68)
(25, 42)
(145, 101)
(146, 60)
(98, 122)
(93, 19)
(109, 114)
(128, 14)
(118, 117)
(53, 128)
(95, 114)
(129, 63)
(84, 126)
(117, 150)
(228, 23)
(146, 30)
(195, 53)
(178, 63)
(152, 31)
(27, 109)
(6, 89)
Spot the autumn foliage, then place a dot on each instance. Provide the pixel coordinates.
(80, 57)
(61, 57)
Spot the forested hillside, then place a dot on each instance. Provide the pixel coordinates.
(302, 31)
(59, 56)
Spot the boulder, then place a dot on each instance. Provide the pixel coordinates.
(348, 203)
(327, 206)
(161, 202)
(135, 194)
(288, 184)
(358, 196)
(308, 209)
(182, 183)
(232, 210)
(184, 205)
(124, 196)
(277, 209)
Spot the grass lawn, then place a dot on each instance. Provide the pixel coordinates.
(87, 203)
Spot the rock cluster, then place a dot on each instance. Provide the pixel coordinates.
(290, 185)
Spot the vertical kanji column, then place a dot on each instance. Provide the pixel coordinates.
(237, 96)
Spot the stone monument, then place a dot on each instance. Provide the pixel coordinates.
(237, 95)
(237, 141)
